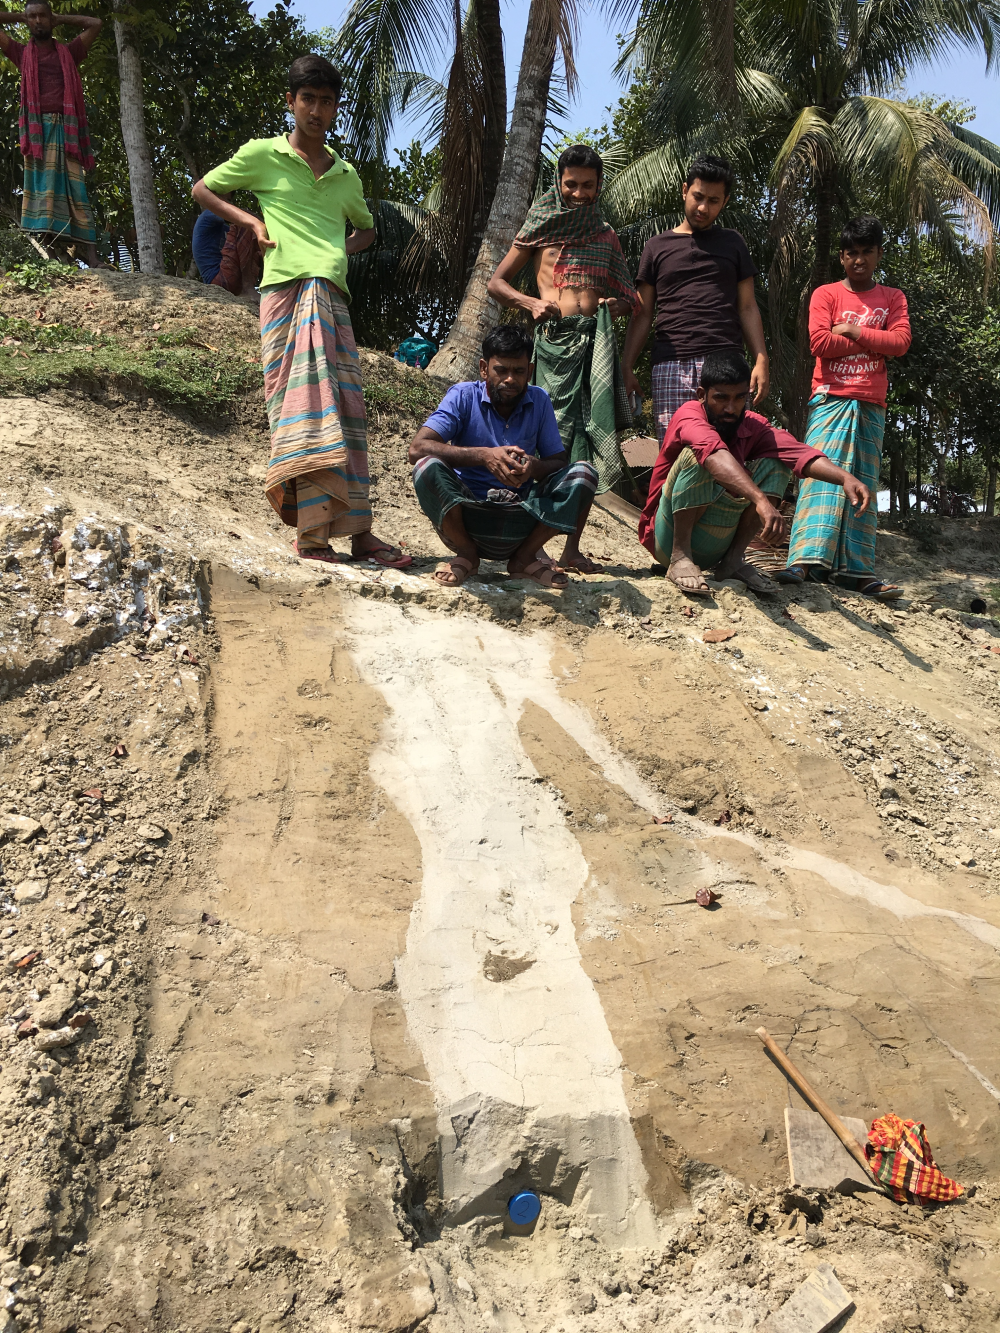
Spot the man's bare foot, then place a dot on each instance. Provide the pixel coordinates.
(746, 573)
(453, 572)
(582, 563)
(688, 577)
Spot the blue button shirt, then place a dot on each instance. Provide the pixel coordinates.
(468, 419)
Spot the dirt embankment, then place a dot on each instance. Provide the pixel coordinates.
(334, 908)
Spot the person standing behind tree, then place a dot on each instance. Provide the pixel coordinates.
(697, 280)
(53, 126)
(317, 479)
(854, 325)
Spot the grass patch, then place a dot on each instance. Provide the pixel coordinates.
(407, 398)
(35, 357)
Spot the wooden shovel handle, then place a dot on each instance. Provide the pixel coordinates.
(816, 1102)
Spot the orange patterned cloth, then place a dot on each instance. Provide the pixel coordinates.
(901, 1158)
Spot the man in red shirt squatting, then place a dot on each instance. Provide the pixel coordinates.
(719, 479)
(853, 326)
(53, 126)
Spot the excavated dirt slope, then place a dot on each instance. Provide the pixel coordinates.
(337, 908)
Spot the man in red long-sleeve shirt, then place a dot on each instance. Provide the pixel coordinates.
(719, 480)
(853, 326)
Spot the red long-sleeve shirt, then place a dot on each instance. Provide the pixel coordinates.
(689, 428)
(846, 368)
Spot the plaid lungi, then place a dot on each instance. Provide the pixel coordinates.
(576, 363)
(689, 486)
(674, 384)
(55, 193)
(317, 479)
(826, 530)
(497, 529)
(899, 1154)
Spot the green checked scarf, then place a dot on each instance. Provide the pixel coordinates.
(591, 254)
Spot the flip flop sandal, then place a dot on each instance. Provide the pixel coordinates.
(325, 554)
(881, 592)
(793, 574)
(544, 575)
(450, 566)
(703, 591)
(400, 561)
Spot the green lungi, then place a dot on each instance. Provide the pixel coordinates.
(825, 530)
(497, 529)
(689, 486)
(576, 363)
(55, 193)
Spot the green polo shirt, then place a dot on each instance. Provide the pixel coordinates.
(304, 214)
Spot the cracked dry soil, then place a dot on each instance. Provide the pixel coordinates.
(216, 1109)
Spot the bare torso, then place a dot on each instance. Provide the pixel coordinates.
(571, 300)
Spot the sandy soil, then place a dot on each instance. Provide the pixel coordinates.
(335, 909)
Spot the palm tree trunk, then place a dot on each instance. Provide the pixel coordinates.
(459, 357)
(799, 398)
(495, 101)
(140, 163)
(991, 489)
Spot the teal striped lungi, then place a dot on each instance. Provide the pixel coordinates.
(689, 486)
(55, 200)
(826, 530)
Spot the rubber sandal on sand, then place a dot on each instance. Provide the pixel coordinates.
(326, 554)
(390, 557)
(544, 575)
(793, 574)
(881, 592)
(448, 567)
(703, 591)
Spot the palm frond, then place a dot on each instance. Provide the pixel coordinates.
(378, 41)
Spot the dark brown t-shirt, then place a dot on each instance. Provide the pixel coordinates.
(695, 277)
(50, 75)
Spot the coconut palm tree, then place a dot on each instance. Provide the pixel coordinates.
(818, 130)
(382, 46)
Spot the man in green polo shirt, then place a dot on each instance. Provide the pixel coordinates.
(317, 479)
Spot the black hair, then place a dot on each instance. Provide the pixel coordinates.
(579, 155)
(508, 340)
(713, 171)
(863, 231)
(314, 72)
(724, 368)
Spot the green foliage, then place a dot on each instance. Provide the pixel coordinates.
(412, 179)
(38, 275)
(924, 530)
(952, 110)
(36, 357)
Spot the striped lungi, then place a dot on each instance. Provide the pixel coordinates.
(825, 530)
(495, 528)
(674, 384)
(55, 193)
(576, 363)
(689, 486)
(317, 479)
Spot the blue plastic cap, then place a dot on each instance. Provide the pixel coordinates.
(524, 1207)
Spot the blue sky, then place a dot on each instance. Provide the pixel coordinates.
(962, 77)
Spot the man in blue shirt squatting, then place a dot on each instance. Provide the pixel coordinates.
(491, 472)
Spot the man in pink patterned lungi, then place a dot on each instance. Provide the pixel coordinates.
(697, 281)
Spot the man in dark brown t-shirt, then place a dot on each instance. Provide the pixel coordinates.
(698, 282)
